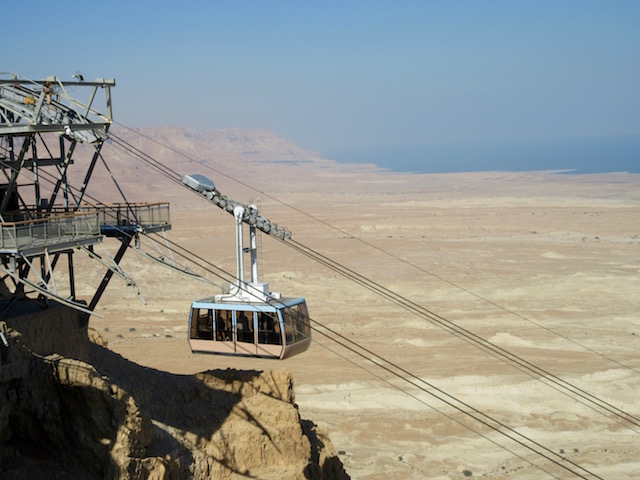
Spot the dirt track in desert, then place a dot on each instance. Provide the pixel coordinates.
(543, 265)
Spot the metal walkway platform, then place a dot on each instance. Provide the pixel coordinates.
(126, 219)
(29, 233)
(51, 232)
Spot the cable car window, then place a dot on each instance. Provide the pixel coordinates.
(304, 319)
(202, 324)
(244, 321)
(269, 328)
(224, 326)
(296, 323)
(193, 322)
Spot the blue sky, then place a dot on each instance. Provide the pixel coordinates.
(350, 74)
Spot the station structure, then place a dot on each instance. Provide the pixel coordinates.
(44, 220)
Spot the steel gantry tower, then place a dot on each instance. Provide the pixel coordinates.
(43, 218)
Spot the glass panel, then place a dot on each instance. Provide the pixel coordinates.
(304, 318)
(193, 322)
(244, 321)
(202, 324)
(288, 326)
(223, 326)
(205, 324)
(296, 323)
(269, 328)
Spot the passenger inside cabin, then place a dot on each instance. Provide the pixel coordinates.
(276, 336)
(268, 328)
(223, 326)
(245, 333)
(265, 326)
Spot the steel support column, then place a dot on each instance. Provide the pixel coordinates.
(107, 276)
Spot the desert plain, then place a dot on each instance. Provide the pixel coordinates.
(543, 265)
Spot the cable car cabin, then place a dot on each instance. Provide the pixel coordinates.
(249, 320)
(278, 329)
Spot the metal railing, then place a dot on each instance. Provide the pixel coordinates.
(47, 229)
(31, 228)
(141, 214)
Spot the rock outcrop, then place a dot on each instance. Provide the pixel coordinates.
(90, 413)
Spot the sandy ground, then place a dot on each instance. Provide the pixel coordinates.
(545, 266)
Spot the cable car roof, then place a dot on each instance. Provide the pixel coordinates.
(236, 304)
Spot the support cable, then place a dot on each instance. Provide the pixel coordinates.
(404, 375)
(118, 187)
(364, 242)
(426, 391)
(451, 401)
(484, 345)
(172, 175)
(496, 351)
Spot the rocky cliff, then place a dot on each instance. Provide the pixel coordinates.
(71, 408)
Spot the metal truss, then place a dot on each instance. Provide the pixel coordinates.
(42, 217)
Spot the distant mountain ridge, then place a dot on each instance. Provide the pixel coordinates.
(258, 144)
(251, 155)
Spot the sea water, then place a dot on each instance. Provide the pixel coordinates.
(575, 155)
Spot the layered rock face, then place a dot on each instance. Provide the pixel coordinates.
(71, 408)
